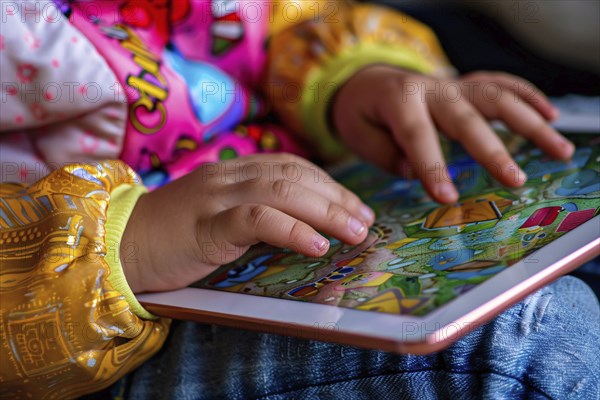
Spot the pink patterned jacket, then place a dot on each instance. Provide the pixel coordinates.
(168, 85)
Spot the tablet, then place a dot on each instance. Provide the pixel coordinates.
(427, 274)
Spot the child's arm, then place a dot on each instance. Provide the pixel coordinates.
(78, 244)
(74, 325)
(376, 82)
(313, 54)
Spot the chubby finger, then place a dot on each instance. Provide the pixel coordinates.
(413, 130)
(311, 207)
(293, 169)
(373, 143)
(510, 85)
(461, 122)
(530, 94)
(522, 119)
(250, 224)
(320, 182)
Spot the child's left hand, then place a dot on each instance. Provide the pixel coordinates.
(389, 116)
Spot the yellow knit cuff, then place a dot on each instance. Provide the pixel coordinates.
(122, 202)
(322, 83)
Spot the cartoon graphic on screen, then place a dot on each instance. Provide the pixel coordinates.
(420, 255)
(466, 212)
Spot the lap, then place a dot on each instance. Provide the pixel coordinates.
(543, 347)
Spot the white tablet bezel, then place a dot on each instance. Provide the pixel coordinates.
(398, 333)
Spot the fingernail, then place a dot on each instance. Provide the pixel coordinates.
(367, 213)
(520, 175)
(321, 243)
(356, 226)
(447, 191)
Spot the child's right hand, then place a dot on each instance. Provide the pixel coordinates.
(186, 229)
(389, 116)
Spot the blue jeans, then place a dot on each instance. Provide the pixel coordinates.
(547, 346)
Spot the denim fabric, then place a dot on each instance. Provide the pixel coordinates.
(590, 274)
(547, 346)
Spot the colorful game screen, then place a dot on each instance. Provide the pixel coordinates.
(420, 255)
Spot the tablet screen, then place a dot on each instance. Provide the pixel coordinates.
(420, 255)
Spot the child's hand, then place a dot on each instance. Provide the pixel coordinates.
(389, 116)
(186, 229)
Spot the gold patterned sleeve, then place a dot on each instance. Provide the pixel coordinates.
(316, 46)
(66, 331)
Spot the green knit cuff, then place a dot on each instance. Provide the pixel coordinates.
(122, 202)
(322, 84)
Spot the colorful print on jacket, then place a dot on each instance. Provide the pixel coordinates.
(168, 85)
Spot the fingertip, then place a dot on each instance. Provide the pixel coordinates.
(565, 147)
(516, 176)
(355, 237)
(548, 111)
(320, 246)
(368, 214)
(521, 178)
(446, 193)
(542, 105)
(553, 113)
